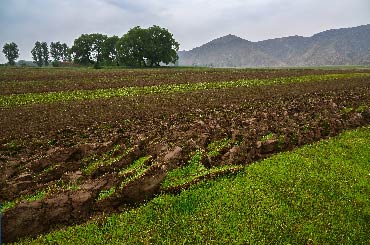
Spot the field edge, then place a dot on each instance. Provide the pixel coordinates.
(306, 203)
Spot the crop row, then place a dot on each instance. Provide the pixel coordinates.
(19, 81)
(62, 74)
(37, 98)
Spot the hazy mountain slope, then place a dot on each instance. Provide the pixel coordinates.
(227, 51)
(347, 46)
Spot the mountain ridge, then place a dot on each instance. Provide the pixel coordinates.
(344, 46)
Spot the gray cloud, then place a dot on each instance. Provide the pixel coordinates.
(193, 22)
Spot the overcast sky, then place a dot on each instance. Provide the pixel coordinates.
(193, 22)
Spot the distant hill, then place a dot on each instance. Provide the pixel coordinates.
(346, 46)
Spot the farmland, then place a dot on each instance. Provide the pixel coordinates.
(79, 143)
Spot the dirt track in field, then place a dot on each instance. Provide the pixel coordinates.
(51, 142)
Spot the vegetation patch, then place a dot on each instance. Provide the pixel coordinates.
(61, 185)
(12, 148)
(214, 148)
(135, 170)
(106, 193)
(92, 163)
(187, 173)
(194, 170)
(362, 108)
(50, 168)
(267, 137)
(33, 197)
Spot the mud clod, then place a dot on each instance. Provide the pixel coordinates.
(30, 218)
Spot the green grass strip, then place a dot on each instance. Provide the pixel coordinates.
(30, 198)
(93, 163)
(194, 169)
(39, 98)
(184, 174)
(318, 194)
(60, 185)
(214, 148)
(106, 193)
(193, 172)
(135, 170)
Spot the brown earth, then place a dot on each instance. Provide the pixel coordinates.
(59, 137)
(18, 80)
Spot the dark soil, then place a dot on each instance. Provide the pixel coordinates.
(18, 81)
(46, 145)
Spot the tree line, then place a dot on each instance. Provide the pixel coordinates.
(139, 47)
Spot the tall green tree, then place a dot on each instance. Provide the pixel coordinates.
(40, 54)
(131, 47)
(81, 50)
(56, 51)
(66, 53)
(87, 49)
(45, 53)
(37, 54)
(97, 46)
(59, 52)
(11, 52)
(109, 51)
(162, 47)
(147, 47)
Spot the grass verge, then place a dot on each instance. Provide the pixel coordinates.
(318, 194)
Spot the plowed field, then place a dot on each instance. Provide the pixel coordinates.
(75, 143)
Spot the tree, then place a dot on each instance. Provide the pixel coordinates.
(45, 53)
(40, 54)
(11, 52)
(147, 47)
(162, 47)
(109, 51)
(81, 50)
(56, 51)
(37, 54)
(66, 53)
(130, 48)
(97, 41)
(59, 52)
(87, 49)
